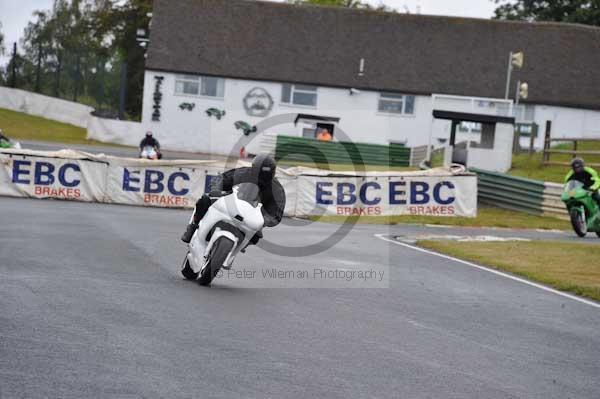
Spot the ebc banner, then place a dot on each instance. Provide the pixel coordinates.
(39, 177)
(384, 196)
(169, 187)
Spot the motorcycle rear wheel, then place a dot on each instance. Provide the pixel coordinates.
(187, 271)
(578, 223)
(218, 253)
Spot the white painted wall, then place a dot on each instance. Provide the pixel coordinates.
(567, 122)
(497, 159)
(194, 130)
(359, 118)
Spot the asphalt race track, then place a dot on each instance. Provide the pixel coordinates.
(92, 305)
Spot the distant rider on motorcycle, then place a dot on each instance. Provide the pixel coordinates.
(4, 141)
(586, 175)
(150, 141)
(261, 173)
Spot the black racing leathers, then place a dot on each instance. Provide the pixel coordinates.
(272, 194)
(149, 141)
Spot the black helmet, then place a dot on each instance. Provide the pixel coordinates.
(577, 164)
(264, 168)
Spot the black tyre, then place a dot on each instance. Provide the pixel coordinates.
(598, 233)
(187, 271)
(578, 222)
(218, 253)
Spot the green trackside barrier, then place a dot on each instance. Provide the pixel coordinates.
(510, 192)
(335, 152)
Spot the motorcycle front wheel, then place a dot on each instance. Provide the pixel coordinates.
(218, 253)
(187, 271)
(578, 222)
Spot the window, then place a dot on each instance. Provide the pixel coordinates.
(299, 95)
(469, 127)
(396, 104)
(524, 113)
(199, 86)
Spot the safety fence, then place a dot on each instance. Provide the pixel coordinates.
(576, 151)
(80, 176)
(520, 194)
(417, 155)
(340, 152)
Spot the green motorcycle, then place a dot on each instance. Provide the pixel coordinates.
(5, 142)
(583, 210)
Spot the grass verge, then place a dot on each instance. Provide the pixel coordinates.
(531, 166)
(20, 126)
(486, 217)
(570, 267)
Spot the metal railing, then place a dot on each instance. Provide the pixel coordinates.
(338, 152)
(520, 194)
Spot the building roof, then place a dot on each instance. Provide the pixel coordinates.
(406, 53)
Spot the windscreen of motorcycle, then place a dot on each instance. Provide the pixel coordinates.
(573, 184)
(249, 192)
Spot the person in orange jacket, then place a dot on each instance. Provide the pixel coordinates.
(324, 135)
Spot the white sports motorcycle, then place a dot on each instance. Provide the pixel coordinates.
(149, 152)
(226, 229)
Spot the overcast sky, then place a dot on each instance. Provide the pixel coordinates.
(14, 14)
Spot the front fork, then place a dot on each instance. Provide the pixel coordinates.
(218, 233)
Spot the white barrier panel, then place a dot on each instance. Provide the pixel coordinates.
(81, 176)
(44, 106)
(45, 177)
(168, 187)
(115, 131)
(390, 195)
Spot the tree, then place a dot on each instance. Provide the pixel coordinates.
(127, 19)
(344, 3)
(576, 11)
(36, 41)
(1, 40)
(76, 49)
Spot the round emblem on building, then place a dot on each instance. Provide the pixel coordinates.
(258, 102)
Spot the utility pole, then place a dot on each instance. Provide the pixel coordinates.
(514, 60)
(13, 80)
(508, 73)
(123, 90)
(57, 78)
(77, 78)
(39, 67)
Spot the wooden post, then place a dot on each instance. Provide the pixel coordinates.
(546, 155)
(574, 149)
(517, 140)
(534, 132)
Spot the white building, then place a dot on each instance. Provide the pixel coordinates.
(369, 76)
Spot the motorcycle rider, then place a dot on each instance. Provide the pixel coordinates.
(586, 175)
(149, 140)
(3, 137)
(261, 173)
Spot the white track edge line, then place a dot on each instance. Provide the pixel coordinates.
(496, 272)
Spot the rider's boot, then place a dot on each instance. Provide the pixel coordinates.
(253, 241)
(189, 232)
